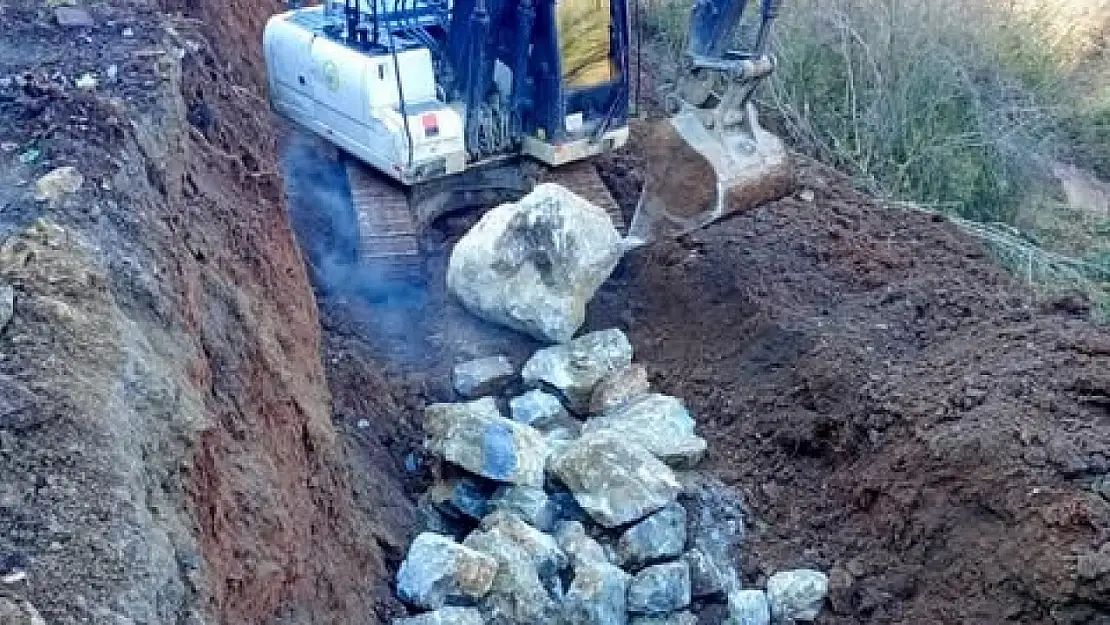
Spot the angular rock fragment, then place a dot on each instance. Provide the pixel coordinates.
(678, 618)
(706, 577)
(660, 536)
(660, 589)
(437, 569)
(748, 607)
(715, 520)
(532, 505)
(58, 183)
(538, 409)
(797, 595)
(541, 548)
(580, 548)
(597, 596)
(484, 376)
(615, 482)
(466, 496)
(73, 17)
(535, 264)
(474, 436)
(574, 369)
(7, 305)
(518, 594)
(658, 423)
(618, 387)
(444, 616)
(14, 611)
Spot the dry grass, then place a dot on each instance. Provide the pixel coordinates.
(962, 106)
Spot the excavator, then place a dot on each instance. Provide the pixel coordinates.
(441, 105)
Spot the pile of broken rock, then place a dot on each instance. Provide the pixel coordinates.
(545, 518)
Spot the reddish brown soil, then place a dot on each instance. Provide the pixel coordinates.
(895, 407)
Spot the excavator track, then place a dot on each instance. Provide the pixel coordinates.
(388, 235)
(583, 179)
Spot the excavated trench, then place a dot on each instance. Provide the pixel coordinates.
(214, 442)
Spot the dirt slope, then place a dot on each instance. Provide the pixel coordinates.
(173, 458)
(893, 404)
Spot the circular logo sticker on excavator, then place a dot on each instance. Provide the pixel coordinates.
(331, 75)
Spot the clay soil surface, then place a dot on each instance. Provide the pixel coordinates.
(892, 406)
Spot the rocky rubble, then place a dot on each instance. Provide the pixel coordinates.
(582, 508)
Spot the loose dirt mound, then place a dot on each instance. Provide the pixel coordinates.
(895, 407)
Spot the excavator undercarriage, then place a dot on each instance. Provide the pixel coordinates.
(392, 219)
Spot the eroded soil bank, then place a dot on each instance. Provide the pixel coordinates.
(893, 406)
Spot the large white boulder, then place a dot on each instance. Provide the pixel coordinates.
(534, 264)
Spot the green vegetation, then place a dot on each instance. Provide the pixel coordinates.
(966, 108)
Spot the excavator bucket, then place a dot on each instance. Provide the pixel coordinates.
(712, 158)
(695, 174)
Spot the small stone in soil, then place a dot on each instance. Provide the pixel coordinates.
(73, 17)
(797, 595)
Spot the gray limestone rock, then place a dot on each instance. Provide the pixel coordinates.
(748, 607)
(706, 577)
(677, 618)
(660, 589)
(618, 387)
(797, 595)
(518, 594)
(73, 17)
(538, 409)
(597, 596)
(659, 423)
(541, 548)
(533, 265)
(19, 612)
(615, 482)
(579, 547)
(660, 536)
(474, 436)
(438, 569)
(444, 616)
(466, 496)
(574, 369)
(7, 305)
(484, 376)
(532, 505)
(715, 522)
